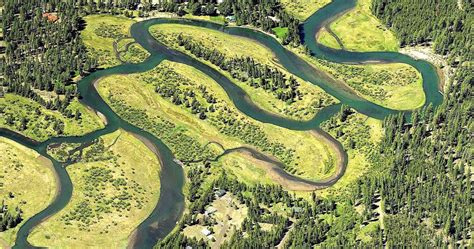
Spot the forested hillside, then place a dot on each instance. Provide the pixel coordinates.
(449, 24)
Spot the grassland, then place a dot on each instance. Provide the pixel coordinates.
(42, 123)
(302, 9)
(360, 136)
(31, 180)
(246, 168)
(186, 131)
(100, 34)
(217, 19)
(360, 30)
(327, 39)
(397, 86)
(116, 186)
(280, 32)
(313, 98)
(393, 85)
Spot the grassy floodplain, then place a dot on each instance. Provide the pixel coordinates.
(186, 132)
(100, 34)
(393, 85)
(41, 122)
(116, 186)
(31, 180)
(360, 30)
(217, 19)
(396, 85)
(305, 108)
(327, 39)
(302, 9)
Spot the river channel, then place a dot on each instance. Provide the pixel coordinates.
(171, 203)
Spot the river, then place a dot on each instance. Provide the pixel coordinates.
(171, 203)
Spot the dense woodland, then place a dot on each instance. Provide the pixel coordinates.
(448, 24)
(43, 52)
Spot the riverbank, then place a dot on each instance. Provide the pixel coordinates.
(289, 182)
(132, 238)
(29, 182)
(426, 53)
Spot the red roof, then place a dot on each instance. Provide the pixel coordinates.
(51, 17)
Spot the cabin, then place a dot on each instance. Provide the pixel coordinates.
(206, 232)
(219, 193)
(209, 211)
(51, 17)
(230, 18)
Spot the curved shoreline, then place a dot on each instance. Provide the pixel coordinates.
(290, 182)
(169, 208)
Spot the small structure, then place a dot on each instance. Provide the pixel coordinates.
(230, 18)
(51, 17)
(273, 18)
(210, 237)
(209, 211)
(219, 193)
(297, 209)
(206, 232)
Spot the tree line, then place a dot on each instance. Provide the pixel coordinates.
(246, 69)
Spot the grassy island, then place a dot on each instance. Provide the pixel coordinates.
(28, 182)
(396, 85)
(187, 110)
(116, 186)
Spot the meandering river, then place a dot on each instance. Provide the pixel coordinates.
(171, 203)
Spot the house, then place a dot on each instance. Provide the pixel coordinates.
(206, 232)
(51, 17)
(230, 18)
(210, 237)
(219, 193)
(297, 209)
(275, 19)
(210, 210)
